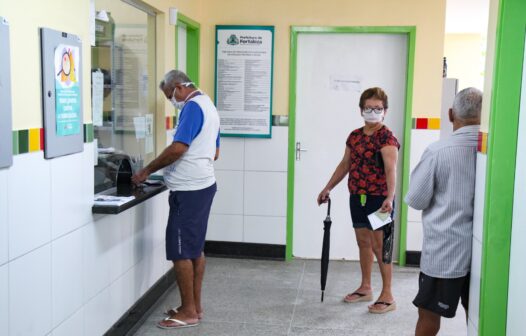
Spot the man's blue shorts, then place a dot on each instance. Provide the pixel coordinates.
(187, 222)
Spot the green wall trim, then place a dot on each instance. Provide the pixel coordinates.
(193, 32)
(411, 32)
(23, 141)
(500, 173)
(15, 143)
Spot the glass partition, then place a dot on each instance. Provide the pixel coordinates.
(123, 88)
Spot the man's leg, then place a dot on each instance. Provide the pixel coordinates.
(386, 270)
(428, 323)
(184, 272)
(363, 237)
(199, 272)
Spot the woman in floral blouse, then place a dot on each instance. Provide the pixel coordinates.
(370, 158)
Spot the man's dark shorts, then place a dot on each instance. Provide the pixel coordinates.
(441, 296)
(187, 222)
(359, 213)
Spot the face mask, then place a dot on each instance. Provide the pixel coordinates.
(179, 104)
(371, 116)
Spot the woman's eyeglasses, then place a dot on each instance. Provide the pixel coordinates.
(378, 110)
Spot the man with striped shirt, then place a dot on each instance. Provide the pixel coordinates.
(443, 186)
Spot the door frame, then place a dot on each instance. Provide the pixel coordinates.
(410, 31)
(193, 32)
(501, 165)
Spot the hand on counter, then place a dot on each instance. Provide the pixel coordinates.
(140, 176)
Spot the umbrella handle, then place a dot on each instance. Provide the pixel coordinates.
(328, 206)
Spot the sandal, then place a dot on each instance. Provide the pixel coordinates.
(173, 311)
(176, 324)
(361, 297)
(387, 307)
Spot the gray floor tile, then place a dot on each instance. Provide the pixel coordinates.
(254, 297)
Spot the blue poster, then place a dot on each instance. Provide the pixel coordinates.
(67, 90)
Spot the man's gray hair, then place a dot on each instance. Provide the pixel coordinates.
(173, 77)
(467, 104)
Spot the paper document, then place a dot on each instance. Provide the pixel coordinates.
(379, 219)
(108, 200)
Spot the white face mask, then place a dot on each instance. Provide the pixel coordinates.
(180, 104)
(373, 115)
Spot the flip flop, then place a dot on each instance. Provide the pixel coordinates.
(173, 311)
(387, 307)
(361, 297)
(177, 324)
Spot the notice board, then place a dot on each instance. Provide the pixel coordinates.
(243, 80)
(61, 93)
(6, 131)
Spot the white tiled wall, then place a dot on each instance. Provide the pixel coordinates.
(4, 206)
(59, 260)
(251, 201)
(476, 258)
(29, 203)
(420, 140)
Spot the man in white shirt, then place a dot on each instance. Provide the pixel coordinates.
(189, 174)
(443, 186)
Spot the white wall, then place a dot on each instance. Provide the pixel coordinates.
(251, 201)
(59, 264)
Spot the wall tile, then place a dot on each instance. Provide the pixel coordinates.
(231, 154)
(96, 245)
(267, 154)
(29, 203)
(415, 236)
(414, 215)
(97, 320)
(265, 230)
(72, 326)
(265, 194)
(67, 279)
(30, 287)
(225, 228)
(71, 208)
(4, 300)
(229, 197)
(4, 217)
(420, 140)
(474, 286)
(121, 297)
(480, 196)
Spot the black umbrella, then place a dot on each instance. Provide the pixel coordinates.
(325, 248)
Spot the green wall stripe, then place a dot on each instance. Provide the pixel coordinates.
(15, 142)
(23, 141)
(500, 174)
(411, 32)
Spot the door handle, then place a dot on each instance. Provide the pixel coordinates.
(299, 150)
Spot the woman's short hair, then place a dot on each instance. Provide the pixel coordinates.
(373, 93)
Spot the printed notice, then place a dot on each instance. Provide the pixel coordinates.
(244, 80)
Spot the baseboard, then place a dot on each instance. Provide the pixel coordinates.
(412, 258)
(244, 250)
(130, 320)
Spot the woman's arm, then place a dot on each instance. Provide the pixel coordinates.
(339, 173)
(390, 157)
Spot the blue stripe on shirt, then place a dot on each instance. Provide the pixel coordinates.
(190, 124)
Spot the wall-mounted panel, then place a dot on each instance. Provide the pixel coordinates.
(6, 138)
(61, 93)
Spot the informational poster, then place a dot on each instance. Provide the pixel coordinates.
(67, 90)
(243, 87)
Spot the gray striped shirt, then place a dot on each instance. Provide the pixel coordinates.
(443, 186)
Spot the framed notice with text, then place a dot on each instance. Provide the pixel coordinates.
(243, 80)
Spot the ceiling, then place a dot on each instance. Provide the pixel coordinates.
(467, 16)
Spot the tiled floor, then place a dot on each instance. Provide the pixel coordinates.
(255, 297)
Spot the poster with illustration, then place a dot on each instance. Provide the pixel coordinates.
(67, 90)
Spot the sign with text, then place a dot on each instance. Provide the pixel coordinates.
(243, 80)
(67, 90)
